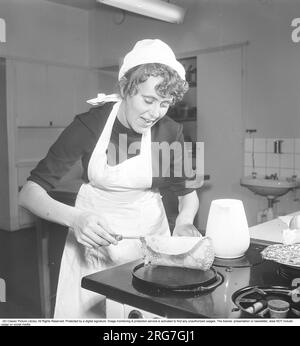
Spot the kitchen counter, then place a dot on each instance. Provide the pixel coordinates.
(269, 232)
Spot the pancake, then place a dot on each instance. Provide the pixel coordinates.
(185, 252)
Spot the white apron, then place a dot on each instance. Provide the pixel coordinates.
(122, 194)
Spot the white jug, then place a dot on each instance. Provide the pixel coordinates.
(227, 226)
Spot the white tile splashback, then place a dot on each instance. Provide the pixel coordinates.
(286, 173)
(266, 162)
(297, 161)
(272, 160)
(270, 145)
(259, 145)
(288, 146)
(271, 170)
(247, 159)
(248, 145)
(259, 171)
(286, 161)
(260, 159)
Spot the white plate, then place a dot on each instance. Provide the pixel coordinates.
(288, 255)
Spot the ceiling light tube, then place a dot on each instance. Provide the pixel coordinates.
(151, 8)
(2, 30)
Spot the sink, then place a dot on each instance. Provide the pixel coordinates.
(269, 188)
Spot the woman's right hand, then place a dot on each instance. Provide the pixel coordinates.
(92, 230)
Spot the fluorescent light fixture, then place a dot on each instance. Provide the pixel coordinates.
(2, 30)
(157, 9)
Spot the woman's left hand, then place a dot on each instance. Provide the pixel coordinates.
(186, 230)
(187, 207)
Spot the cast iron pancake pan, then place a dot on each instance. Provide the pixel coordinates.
(173, 278)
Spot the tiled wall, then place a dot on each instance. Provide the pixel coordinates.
(266, 162)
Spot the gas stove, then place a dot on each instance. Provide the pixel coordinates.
(237, 286)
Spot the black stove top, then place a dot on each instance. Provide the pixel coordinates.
(118, 284)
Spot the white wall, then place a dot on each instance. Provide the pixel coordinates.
(43, 30)
(270, 103)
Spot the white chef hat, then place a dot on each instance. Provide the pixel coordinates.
(151, 51)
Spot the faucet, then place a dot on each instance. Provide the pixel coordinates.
(272, 176)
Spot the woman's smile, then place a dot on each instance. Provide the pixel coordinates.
(143, 122)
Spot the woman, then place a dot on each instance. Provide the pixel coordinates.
(118, 196)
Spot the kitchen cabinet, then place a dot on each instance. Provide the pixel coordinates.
(61, 90)
(68, 89)
(30, 94)
(50, 95)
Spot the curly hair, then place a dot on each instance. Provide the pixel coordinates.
(171, 86)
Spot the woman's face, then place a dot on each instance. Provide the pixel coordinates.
(143, 110)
